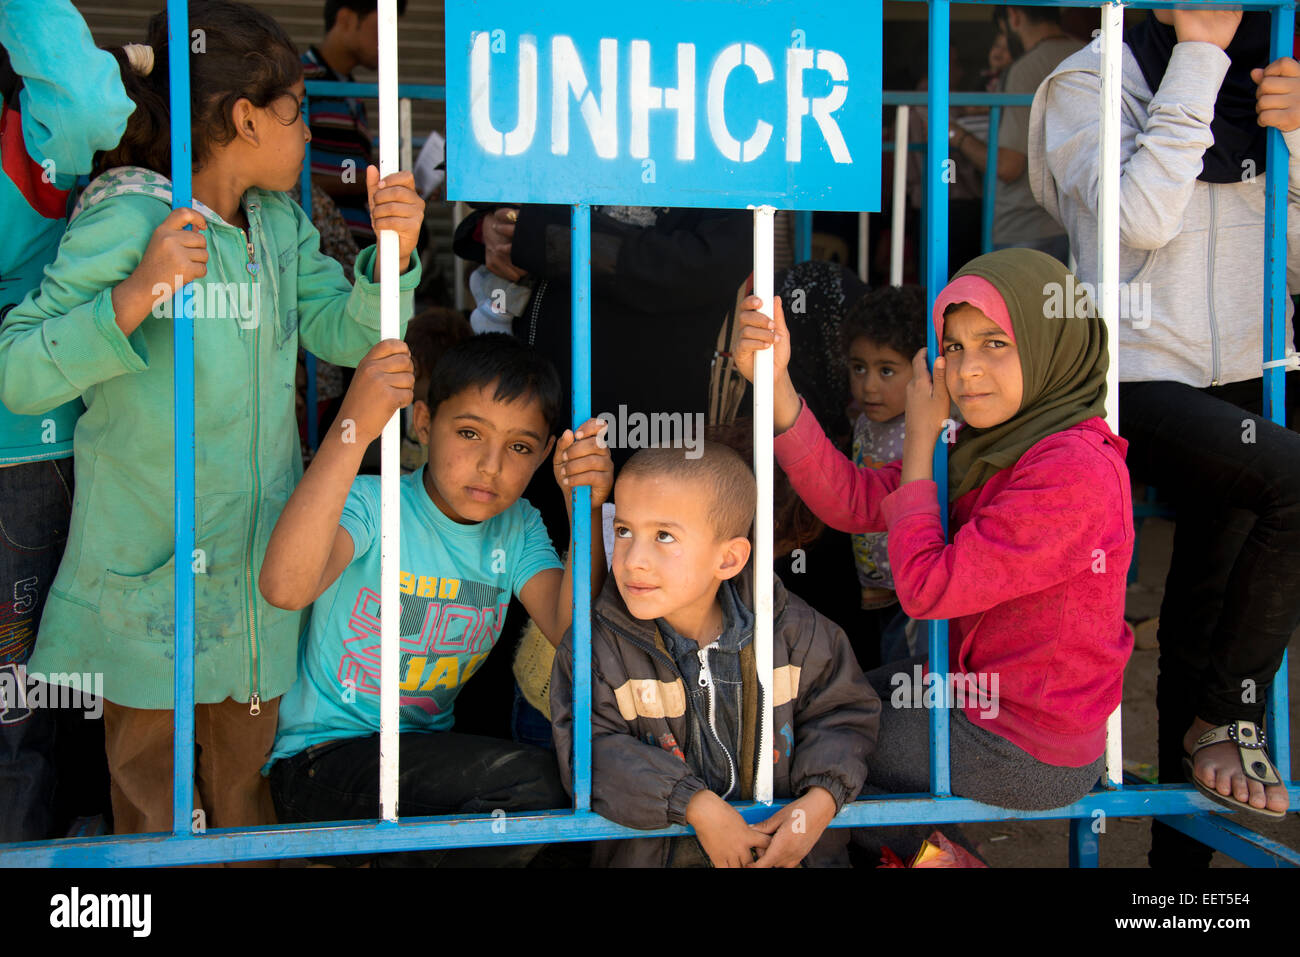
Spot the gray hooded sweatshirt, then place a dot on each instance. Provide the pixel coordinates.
(1191, 252)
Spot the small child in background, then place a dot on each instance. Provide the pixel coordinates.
(881, 333)
(675, 696)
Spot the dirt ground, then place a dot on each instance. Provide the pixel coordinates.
(1127, 840)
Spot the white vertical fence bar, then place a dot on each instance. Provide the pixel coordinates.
(900, 197)
(406, 160)
(1112, 52)
(390, 502)
(864, 233)
(459, 212)
(763, 393)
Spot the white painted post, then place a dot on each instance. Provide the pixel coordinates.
(763, 393)
(390, 491)
(1112, 33)
(404, 133)
(460, 211)
(900, 197)
(864, 222)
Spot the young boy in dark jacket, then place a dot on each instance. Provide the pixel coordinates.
(675, 697)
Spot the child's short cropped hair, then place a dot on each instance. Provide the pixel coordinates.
(516, 368)
(724, 473)
(892, 316)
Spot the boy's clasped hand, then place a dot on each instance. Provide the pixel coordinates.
(782, 840)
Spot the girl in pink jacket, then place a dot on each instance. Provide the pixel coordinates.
(1040, 516)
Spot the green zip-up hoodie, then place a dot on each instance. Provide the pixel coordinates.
(111, 607)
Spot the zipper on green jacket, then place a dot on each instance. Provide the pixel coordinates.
(254, 684)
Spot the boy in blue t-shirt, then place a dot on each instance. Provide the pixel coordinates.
(468, 542)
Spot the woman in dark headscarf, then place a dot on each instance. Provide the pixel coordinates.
(1198, 92)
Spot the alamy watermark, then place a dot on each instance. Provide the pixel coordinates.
(211, 300)
(76, 909)
(1078, 300)
(938, 690)
(23, 691)
(658, 430)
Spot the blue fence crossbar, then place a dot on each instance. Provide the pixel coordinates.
(1180, 805)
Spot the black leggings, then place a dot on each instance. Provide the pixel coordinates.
(442, 772)
(1232, 598)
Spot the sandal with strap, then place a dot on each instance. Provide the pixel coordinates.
(1255, 763)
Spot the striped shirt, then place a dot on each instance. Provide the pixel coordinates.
(340, 145)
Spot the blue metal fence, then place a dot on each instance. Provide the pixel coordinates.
(1181, 806)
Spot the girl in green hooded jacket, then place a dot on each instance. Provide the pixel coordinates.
(99, 327)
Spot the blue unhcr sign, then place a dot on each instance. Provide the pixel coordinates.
(721, 103)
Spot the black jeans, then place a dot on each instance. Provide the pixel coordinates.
(35, 508)
(440, 773)
(1232, 597)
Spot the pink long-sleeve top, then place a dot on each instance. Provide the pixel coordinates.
(1032, 582)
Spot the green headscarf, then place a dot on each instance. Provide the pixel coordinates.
(1063, 359)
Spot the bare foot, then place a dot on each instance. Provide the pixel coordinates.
(1218, 767)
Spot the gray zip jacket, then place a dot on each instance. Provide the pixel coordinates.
(825, 720)
(1191, 252)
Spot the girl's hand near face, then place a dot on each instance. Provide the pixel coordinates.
(928, 404)
(928, 409)
(395, 205)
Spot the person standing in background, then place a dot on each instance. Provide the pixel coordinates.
(1017, 219)
(341, 147)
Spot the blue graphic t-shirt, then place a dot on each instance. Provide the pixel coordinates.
(456, 583)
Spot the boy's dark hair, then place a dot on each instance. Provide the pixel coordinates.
(428, 336)
(727, 476)
(360, 7)
(893, 316)
(245, 54)
(516, 368)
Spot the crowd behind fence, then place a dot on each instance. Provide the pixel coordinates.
(1180, 806)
